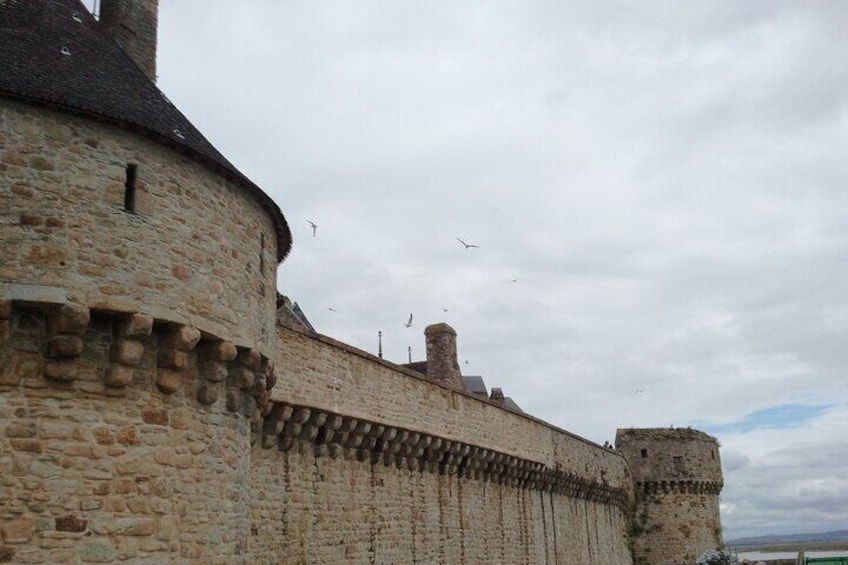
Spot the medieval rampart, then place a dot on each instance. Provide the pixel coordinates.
(360, 449)
(158, 466)
(139, 421)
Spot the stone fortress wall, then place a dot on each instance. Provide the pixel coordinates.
(153, 409)
(417, 471)
(135, 362)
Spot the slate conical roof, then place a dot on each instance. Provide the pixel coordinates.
(53, 53)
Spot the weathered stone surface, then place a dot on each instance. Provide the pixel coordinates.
(30, 445)
(155, 417)
(126, 352)
(119, 376)
(250, 358)
(70, 318)
(173, 359)
(16, 531)
(222, 351)
(242, 377)
(169, 381)
(111, 304)
(71, 523)
(96, 550)
(184, 338)
(60, 371)
(35, 294)
(207, 393)
(213, 371)
(64, 346)
(21, 429)
(135, 326)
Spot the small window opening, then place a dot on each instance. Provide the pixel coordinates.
(129, 188)
(644, 453)
(262, 253)
(678, 464)
(712, 455)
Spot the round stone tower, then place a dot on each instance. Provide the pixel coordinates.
(677, 479)
(137, 302)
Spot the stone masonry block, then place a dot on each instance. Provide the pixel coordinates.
(119, 376)
(169, 381)
(213, 371)
(250, 358)
(135, 326)
(222, 351)
(242, 377)
(21, 429)
(184, 338)
(233, 399)
(207, 393)
(126, 352)
(17, 531)
(173, 359)
(69, 319)
(60, 371)
(64, 346)
(71, 524)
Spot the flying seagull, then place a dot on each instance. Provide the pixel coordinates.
(331, 309)
(314, 227)
(408, 323)
(467, 245)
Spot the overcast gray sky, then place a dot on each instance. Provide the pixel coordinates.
(664, 182)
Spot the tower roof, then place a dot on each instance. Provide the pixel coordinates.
(54, 54)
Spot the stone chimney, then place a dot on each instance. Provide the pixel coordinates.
(442, 363)
(497, 396)
(132, 24)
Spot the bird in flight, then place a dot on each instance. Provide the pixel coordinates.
(444, 309)
(331, 309)
(467, 245)
(314, 227)
(408, 323)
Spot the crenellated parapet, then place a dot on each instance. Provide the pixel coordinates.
(108, 349)
(330, 434)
